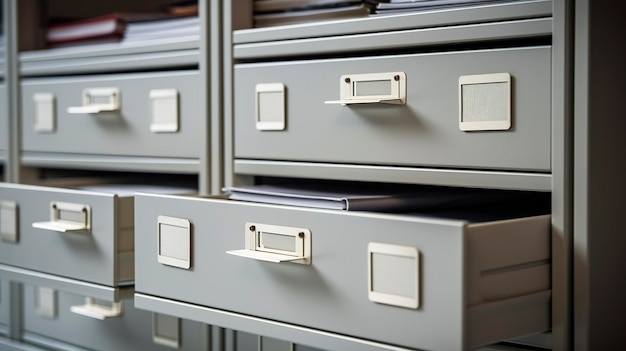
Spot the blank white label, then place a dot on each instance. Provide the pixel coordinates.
(485, 102)
(174, 242)
(394, 275)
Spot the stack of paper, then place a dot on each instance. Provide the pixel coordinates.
(474, 205)
(116, 27)
(163, 28)
(126, 190)
(281, 12)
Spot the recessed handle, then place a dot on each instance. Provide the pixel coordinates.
(97, 100)
(93, 310)
(372, 88)
(277, 244)
(67, 217)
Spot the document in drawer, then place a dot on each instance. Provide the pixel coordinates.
(359, 199)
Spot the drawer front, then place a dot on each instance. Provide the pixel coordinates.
(88, 255)
(423, 132)
(157, 115)
(332, 292)
(48, 319)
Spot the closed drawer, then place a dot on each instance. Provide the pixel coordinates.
(425, 131)
(49, 321)
(83, 234)
(436, 283)
(147, 114)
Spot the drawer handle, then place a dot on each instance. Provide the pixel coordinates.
(372, 88)
(264, 256)
(96, 100)
(93, 310)
(277, 244)
(67, 217)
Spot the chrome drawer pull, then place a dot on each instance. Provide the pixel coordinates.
(93, 310)
(67, 217)
(277, 244)
(372, 88)
(96, 100)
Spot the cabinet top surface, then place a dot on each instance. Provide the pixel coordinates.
(501, 11)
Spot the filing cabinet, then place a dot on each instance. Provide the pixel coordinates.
(130, 116)
(435, 283)
(119, 106)
(459, 97)
(305, 109)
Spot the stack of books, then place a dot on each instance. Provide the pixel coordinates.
(173, 22)
(282, 12)
(101, 29)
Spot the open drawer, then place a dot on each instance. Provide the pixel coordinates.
(428, 282)
(80, 231)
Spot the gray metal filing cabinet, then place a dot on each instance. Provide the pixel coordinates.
(460, 97)
(399, 99)
(97, 123)
(522, 96)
